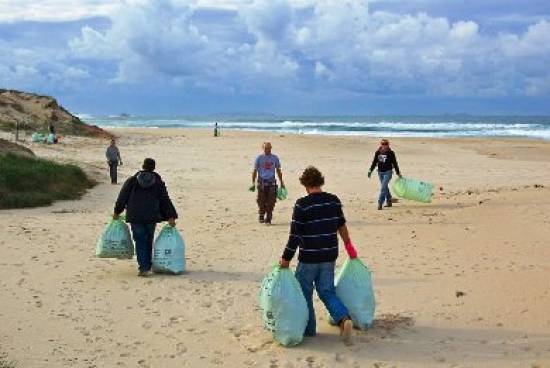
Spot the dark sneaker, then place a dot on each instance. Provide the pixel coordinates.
(261, 219)
(388, 204)
(268, 218)
(379, 207)
(144, 273)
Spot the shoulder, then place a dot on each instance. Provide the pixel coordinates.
(159, 178)
(329, 197)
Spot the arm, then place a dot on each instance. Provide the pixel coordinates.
(280, 175)
(294, 238)
(255, 171)
(344, 234)
(167, 209)
(118, 155)
(123, 197)
(395, 165)
(374, 162)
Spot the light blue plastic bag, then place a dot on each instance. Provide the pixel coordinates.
(354, 288)
(51, 138)
(412, 189)
(115, 241)
(284, 308)
(37, 137)
(169, 251)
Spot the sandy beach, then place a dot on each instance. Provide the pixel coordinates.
(484, 238)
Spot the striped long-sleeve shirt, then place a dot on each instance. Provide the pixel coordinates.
(314, 228)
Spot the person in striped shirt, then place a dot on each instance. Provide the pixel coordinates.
(316, 222)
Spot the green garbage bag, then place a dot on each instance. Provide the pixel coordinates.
(115, 241)
(51, 138)
(412, 189)
(354, 288)
(282, 193)
(169, 251)
(284, 308)
(37, 137)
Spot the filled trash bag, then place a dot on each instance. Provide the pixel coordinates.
(115, 241)
(284, 308)
(354, 288)
(412, 189)
(169, 251)
(282, 193)
(37, 137)
(51, 138)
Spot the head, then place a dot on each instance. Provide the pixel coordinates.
(384, 145)
(148, 164)
(113, 142)
(312, 179)
(267, 148)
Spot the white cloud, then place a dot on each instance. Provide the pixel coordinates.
(292, 45)
(54, 10)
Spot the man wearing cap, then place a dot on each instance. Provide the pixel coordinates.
(146, 201)
(264, 169)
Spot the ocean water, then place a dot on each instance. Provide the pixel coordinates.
(376, 126)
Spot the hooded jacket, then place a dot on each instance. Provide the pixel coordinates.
(385, 161)
(145, 198)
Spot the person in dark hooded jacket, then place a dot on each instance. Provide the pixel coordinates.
(146, 201)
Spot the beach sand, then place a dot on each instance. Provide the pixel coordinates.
(485, 235)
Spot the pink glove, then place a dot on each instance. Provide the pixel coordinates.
(352, 253)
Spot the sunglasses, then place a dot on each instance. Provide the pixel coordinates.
(385, 144)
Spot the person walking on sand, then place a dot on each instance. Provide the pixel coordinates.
(146, 201)
(265, 166)
(113, 160)
(385, 158)
(316, 222)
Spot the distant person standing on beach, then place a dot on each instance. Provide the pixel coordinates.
(216, 131)
(264, 169)
(386, 161)
(113, 160)
(146, 201)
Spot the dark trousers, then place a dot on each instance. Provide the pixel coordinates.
(267, 196)
(143, 237)
(113, 165)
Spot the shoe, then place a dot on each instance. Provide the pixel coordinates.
(379, 207)
(144, 273)
(346, 327)
(261, 219)
(268, 218)
(388, 204)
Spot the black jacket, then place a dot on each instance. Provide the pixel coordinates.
(386, 161)
(145, 198)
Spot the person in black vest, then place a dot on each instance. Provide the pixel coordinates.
(316, 222)
(385, 158)
(146, 200)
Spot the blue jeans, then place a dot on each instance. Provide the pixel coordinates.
(143, 237)
(385, 194)
(322, 274)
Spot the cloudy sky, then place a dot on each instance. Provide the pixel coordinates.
(280, 56)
